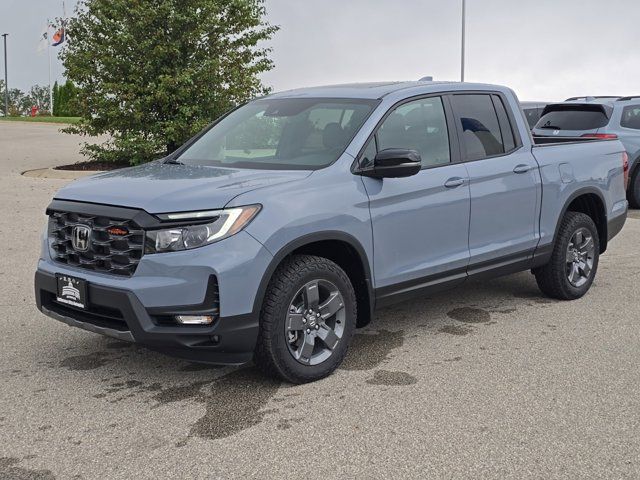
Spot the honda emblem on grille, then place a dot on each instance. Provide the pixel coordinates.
(80, 238)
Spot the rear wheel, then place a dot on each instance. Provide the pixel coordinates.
(308, 318)
(574, 261)
(633, 194)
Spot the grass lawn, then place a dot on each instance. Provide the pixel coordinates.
(41, 119)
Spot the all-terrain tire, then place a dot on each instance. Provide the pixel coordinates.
(552, 278)
(272, 353)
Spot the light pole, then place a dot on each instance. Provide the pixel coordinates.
(464, 8)
(6, 81)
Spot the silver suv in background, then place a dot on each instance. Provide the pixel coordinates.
(533, 111)
(599, 117)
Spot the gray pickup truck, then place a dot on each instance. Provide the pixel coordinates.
(279, 229)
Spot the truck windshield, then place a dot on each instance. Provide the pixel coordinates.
(288, 133)
(573, 117)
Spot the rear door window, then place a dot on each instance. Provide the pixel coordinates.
(573, 117)
(631, 117)
(481, 135)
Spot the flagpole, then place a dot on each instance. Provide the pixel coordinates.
(6, 78)
(49, 51)
(464, 21)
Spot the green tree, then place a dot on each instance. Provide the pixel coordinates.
(39, 96)
(65, 102)
(56, 100)
(17, 102)
(152, 73)
(2, 96)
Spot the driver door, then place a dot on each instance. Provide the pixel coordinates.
(420, 223)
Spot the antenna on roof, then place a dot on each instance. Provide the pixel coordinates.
(426, 79)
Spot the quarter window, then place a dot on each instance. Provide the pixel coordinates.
(419, 125)
(368, 155)
(481, 134)
(508, 140)
(631, 117)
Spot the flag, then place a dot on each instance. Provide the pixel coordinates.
(58, 37)
(43, 43)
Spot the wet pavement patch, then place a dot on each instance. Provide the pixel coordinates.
(470, 315)
(454, 359)
(86, 362)
(368, 350)
(9, 469)
(287, 423)
(459, 330)
(128, 389)
(233, 402)
(385, 377)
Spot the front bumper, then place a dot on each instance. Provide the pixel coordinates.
(118, 313)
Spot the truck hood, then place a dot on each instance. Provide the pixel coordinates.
(161, 188)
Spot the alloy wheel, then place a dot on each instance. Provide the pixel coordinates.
(580, 257)
(315, 322)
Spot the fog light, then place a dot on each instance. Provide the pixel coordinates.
(195, 319)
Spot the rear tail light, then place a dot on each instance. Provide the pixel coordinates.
(625, 168)
(601, 136)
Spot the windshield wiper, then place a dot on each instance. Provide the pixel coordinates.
(173, 162)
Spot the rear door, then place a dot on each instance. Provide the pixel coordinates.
(572, 119)
(505, 183)
(420, 223)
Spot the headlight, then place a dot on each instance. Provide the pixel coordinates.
(224, 223)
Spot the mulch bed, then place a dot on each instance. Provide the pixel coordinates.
(93, 165)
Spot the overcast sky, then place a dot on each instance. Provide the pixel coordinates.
(543, 49)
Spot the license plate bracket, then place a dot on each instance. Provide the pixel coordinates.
(72, 291)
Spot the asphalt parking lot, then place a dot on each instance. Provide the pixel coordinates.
(488, 381)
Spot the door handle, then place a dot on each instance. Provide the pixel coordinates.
(454, 182)
(522, 168)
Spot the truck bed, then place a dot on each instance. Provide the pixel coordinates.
(571, 166)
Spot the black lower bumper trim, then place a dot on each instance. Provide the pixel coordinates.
(119, 314)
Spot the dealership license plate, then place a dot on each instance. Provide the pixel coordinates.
(72, 291)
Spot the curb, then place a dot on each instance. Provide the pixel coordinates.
(58, 174)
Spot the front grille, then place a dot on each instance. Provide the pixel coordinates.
(115, 246)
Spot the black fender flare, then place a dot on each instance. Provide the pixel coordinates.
(572, 197)
(307, 239)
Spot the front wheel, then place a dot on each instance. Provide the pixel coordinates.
(574, 261)
(307, 320)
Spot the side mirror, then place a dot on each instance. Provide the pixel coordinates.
(395, 163)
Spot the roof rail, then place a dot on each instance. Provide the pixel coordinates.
(624, 99)
(591, 97)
